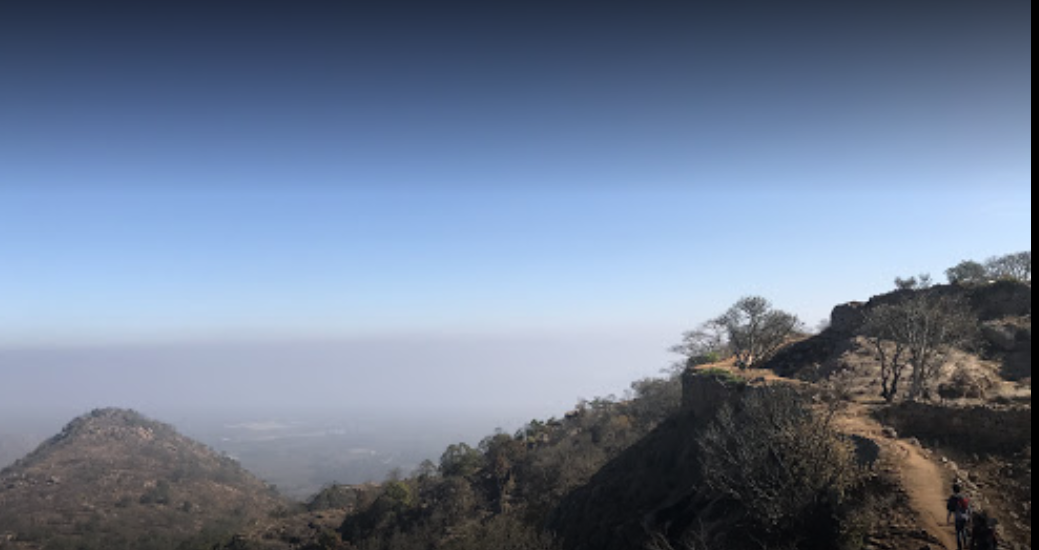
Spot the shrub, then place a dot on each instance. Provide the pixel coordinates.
(780, 462)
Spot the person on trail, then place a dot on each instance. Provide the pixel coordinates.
(983, 535)
(959, 509)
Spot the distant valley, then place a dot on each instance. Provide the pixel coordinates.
(297, 453)
(302, 454)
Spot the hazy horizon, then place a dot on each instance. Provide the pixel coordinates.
(483, 212)
(514, 375)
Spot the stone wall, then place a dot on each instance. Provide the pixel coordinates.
(977, 428)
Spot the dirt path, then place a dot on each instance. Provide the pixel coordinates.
(928, 487)
(925, 482)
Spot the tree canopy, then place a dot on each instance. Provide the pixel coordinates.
(751, 330)
(756, 330)
(1015, 267)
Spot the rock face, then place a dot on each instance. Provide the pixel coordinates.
(114, 479)
(847, 318)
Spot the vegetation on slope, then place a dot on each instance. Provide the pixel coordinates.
(113, 479)
(739, 463)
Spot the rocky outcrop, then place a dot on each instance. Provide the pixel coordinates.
(845, 319)
(704, 392)
(812, 358)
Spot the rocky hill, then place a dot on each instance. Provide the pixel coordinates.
(113, 479)
(800, 454)
(1003, 310)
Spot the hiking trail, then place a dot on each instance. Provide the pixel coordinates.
(926, 484)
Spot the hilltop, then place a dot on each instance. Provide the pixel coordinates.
(974, 428)
(1003, 348)
(114, 479)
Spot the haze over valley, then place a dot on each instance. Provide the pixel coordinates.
(521, 276)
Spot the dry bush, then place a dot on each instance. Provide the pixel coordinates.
(967, 382)
(780, 462)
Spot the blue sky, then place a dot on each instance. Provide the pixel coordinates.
(117, 264)
(255, 172)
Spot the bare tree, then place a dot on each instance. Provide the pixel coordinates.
(705, 344)
(755, 330)
(919, 331)
(886, 329)
(935, 326)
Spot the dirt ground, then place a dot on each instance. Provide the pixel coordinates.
(925, 484)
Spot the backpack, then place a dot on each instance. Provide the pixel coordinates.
(959, 505)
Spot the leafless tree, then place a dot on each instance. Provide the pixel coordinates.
(936, 325)
(886, 328)
(705, 344)
(918, 332)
